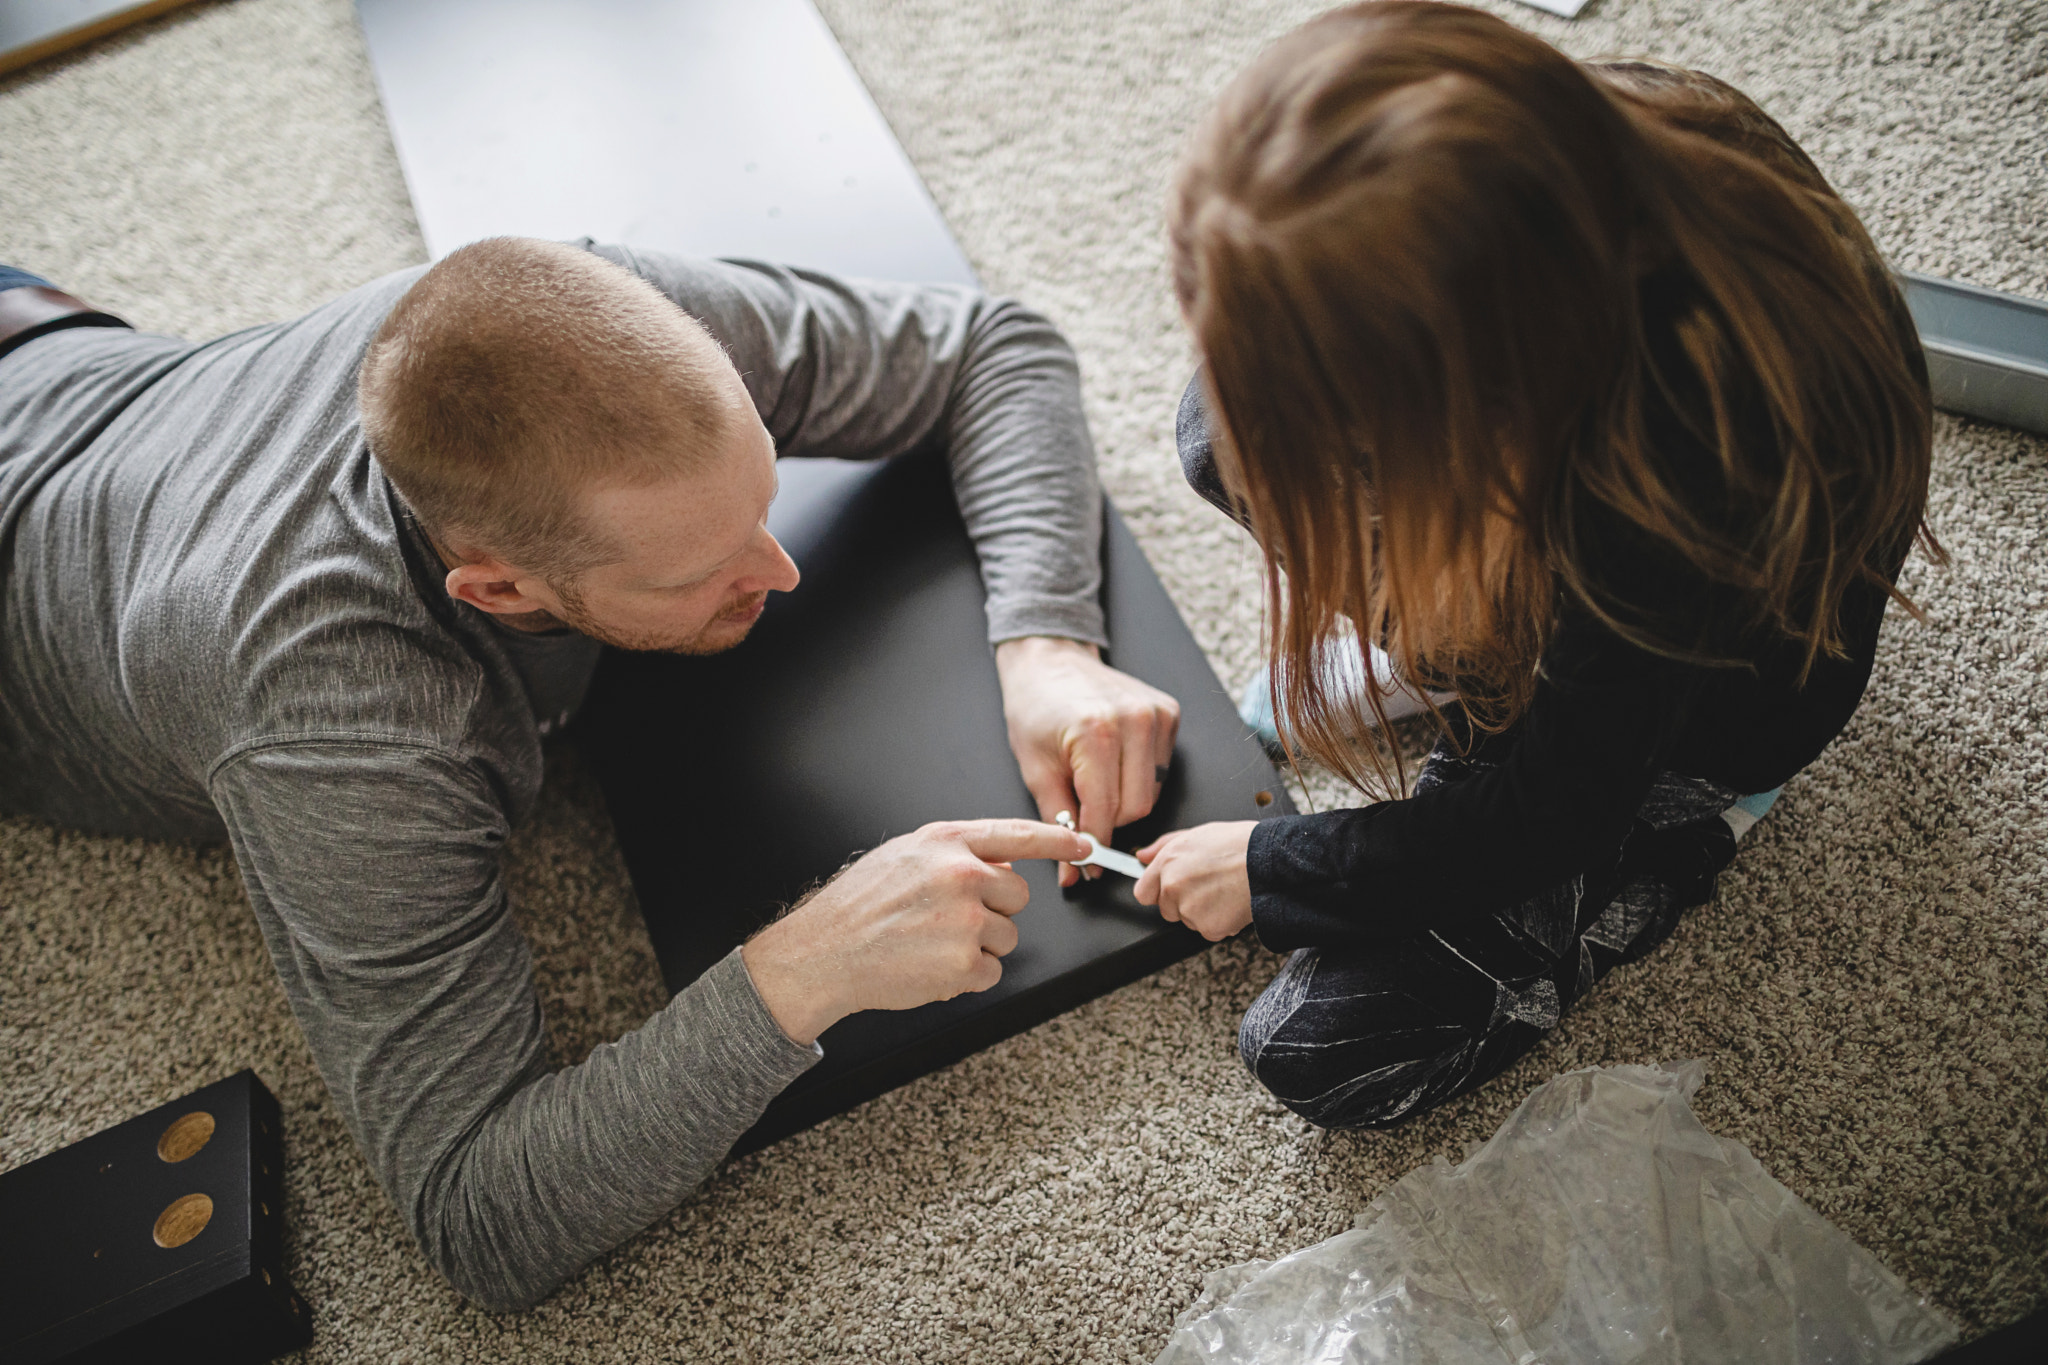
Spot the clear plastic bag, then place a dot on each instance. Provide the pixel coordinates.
(1602, 1223)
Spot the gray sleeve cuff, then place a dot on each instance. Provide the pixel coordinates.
(1070, 618)
(761, 1048)
(813, 1050)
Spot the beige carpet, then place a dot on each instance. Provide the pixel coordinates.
(1867, 990)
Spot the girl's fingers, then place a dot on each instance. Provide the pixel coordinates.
(1147, 889)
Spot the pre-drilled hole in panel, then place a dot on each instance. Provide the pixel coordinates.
(186, 1135)
(1262, 798)
(185, 1219)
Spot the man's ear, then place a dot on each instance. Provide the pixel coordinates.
(490, 584)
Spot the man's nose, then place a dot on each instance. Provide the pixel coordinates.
(776, 572)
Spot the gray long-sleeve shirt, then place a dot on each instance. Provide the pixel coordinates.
(217, 620)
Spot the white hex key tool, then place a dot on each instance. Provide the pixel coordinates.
(1100, 856)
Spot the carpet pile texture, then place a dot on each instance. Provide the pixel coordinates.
(1866, 989)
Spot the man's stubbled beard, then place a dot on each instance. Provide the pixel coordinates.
(712, 638)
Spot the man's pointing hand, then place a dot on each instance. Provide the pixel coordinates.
(922, 918)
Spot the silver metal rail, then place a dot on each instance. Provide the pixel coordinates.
(1987, 352)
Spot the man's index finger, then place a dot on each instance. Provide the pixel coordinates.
(1002, 841)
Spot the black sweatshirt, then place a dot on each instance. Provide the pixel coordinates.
(1573, 771)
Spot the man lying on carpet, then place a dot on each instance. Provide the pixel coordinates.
(320, 588)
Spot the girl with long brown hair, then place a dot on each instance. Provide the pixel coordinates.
(1575, 390)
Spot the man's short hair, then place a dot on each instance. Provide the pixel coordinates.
(514, 375)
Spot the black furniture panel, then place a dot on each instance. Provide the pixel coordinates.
(864, 705)
(161, 1238)
(1987, 352)
(2018, 1343)
(706, 127)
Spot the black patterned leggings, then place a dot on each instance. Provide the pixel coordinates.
(1368, 1037)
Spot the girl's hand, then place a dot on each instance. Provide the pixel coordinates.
(1197, 877)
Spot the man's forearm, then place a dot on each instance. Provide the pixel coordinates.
(576, 1162)
(1023, 470)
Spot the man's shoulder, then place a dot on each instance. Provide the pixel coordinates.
(320, 621)
(388, 708)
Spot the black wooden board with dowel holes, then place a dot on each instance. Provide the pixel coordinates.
(161, 1238)
(865, 704)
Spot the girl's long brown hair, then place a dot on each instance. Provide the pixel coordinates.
(1418, 247)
